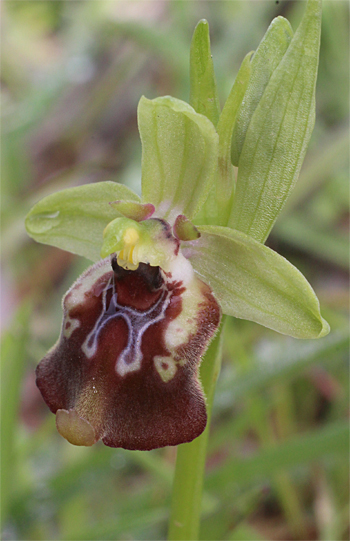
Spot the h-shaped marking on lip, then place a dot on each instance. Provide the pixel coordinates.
(137, 322)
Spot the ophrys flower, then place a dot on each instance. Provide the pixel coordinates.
(125, 368)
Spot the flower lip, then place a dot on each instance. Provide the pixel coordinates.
(125, 368)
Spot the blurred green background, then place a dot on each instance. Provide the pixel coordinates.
(72, 75)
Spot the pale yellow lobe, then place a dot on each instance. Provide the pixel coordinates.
(127, 257)
(131, 236)
(75, 429)
(165, 366)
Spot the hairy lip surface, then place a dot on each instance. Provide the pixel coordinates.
(127, 359)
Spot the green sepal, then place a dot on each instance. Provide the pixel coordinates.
(179, 156)
(203, 90)
(264, 62)
(74, 219)
(251, 281)
(278, 133)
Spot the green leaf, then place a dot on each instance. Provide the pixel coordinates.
(253, 282)
(318, 444)
(120, 526)
(264, 62)
(286, 360)
(13, 362)
(245, 532)
(74, 219)
(203, 91)
(152, 39)
(321, 167)
(279, 132)
(179, 156)
(305, 233)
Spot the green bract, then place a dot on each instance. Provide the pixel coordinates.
(264, 62)
(225, 185)
(187, 174)
(203, 95)
(279, 131)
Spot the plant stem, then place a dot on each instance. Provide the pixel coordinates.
(190, 461)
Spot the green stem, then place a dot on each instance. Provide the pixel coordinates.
(190, 462)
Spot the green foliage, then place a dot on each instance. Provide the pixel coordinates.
(218, 206)
(13, 355)
(279, 132)
(203, 90)
(331, 441)
(61, 492)
(264, 62)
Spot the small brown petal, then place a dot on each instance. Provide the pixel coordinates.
(134, 210)
(184, 229)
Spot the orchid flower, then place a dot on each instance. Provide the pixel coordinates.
(137, 323)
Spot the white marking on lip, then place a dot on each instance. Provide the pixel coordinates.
(76, 294)
(180, 329)
(137, 322)
(67, 330)
(166, 367)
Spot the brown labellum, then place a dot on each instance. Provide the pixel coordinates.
(125, 368)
